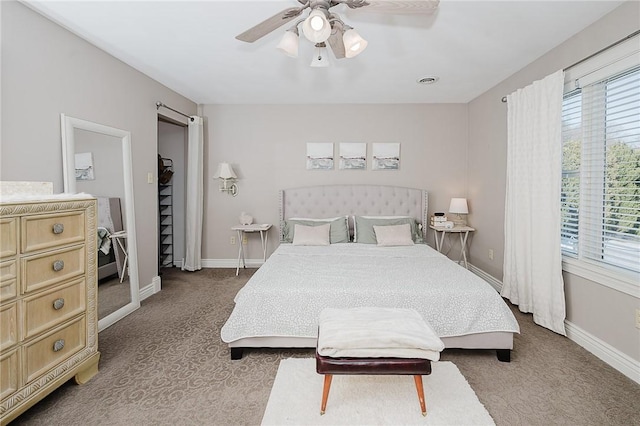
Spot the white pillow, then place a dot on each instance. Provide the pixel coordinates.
(393, 235)
(311, 235)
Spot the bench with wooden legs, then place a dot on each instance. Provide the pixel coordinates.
(415, 367)
(375, 341)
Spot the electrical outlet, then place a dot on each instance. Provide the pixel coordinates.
(232, 241)
(637, 318)
(490, 254)
(245, 240)
(149, 177)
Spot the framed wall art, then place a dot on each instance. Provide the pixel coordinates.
(319, 156)
(385, 156)
(353, 156)
(84, 166)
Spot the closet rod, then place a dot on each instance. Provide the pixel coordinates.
(633, 34)
(160, 104)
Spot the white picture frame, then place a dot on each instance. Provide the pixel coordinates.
(385, 156)
(84, 166)
(319, 156)
(353, 156)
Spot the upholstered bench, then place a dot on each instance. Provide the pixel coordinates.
(375, 341)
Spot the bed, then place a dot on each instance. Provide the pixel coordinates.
(109, 222)
(280, 305)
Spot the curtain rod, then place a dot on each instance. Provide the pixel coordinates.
(633, 34)
(160, 104)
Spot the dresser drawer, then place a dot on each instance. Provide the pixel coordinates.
(8, 325)
(8, 280)
(43, 354)
(43, 270)
(8, 237)
(46, 310)
(9, 376)
(51, 230)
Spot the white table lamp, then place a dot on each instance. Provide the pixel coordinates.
(459, 206)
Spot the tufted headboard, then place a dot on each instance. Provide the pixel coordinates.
(361, 200)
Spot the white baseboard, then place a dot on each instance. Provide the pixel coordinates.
(230, 263)
(607, 353)
(494, 282)
(151, 289)
(618, 360)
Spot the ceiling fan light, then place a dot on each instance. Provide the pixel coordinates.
(316, 27)
(320, 57)
(289, 44)
(353, 43)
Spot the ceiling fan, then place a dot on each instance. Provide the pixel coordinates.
(323, 27)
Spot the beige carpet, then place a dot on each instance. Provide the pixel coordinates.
(371, 400)
(165, 365)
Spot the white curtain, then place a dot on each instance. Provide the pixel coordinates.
(194, 208)
(532, 257)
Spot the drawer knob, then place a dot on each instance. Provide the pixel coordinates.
(58, 303)
(58, 265)
(58, 228)
(58, 345)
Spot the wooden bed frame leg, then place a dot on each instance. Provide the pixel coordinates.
(236, 353)
(504, 355)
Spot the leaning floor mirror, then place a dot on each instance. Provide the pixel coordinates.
(97, 161)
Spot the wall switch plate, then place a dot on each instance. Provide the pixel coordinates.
(149, 177)
(637, 318)
(490, 254)
(232, 241)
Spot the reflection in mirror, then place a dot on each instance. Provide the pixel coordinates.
(97, 160)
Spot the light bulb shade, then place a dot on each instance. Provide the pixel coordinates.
(289, 44)
(353, 43)
(225, 171)
(320, 57)
(316, 28)
(459, 206)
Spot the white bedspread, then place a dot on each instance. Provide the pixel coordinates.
(285, 296)
(377, 333)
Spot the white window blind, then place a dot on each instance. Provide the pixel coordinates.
(601, 171)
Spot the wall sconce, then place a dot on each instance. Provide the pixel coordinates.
(459, 207)
(227, 175)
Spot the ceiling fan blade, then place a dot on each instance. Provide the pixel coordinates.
(396, 6)
(336, 42)
(268, 25)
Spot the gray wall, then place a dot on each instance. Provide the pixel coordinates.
(46, 70)
(266, 144)
(601, 311)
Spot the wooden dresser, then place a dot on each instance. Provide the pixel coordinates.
(48, 299)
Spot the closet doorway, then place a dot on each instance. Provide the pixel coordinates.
(172, 192)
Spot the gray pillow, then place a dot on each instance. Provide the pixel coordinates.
(365, 234)
(339, 232)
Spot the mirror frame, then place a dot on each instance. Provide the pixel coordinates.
(67, 127)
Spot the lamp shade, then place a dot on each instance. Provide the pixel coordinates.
(225, 171)
(316, 27)
(459, 206)
(353, 43)
(289, 43)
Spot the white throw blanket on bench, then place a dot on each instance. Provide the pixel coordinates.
(377, 333)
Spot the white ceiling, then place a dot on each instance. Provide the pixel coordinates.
(191, 48)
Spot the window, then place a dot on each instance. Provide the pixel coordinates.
(601, 172)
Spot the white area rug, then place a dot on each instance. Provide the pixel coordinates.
(372, 400)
